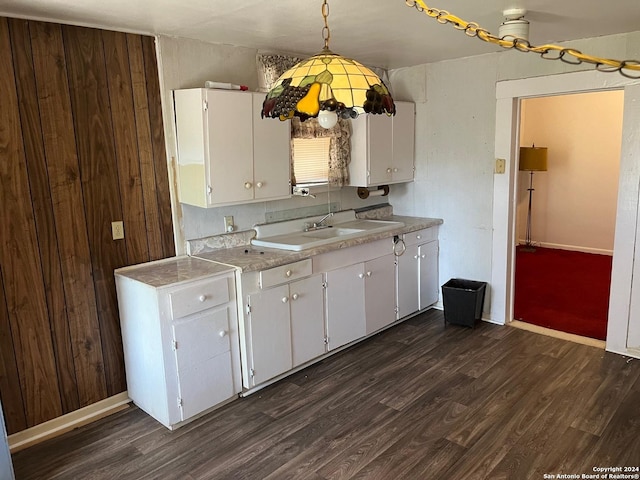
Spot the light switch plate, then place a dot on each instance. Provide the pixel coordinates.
(117, 230)
(500, 165)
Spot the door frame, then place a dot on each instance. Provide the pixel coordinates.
(508, 95)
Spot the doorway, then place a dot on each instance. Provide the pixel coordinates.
(562, 278)
(623, 331)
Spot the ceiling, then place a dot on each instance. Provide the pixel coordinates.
(383, 33)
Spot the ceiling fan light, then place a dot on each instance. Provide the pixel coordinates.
(512, 29)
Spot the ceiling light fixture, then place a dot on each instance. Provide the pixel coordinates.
(326, 86)
(627, 68)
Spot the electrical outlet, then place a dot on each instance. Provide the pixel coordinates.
(500, 165)
(117, 230)
(228, 224)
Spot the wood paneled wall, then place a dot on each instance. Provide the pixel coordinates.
(81, 145)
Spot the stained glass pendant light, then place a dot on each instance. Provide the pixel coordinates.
(326, 86)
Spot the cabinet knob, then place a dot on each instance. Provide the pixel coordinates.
(418, 237)
(285, 299)
(415, 256)
(368, 274)
(294, 296)
(288, 273)
(388, 170)
(395, 170)
(247, 185)
(259, 184)
(361, 275)
(202, 298)
(422, 256)
(222, 333)
(209, 189)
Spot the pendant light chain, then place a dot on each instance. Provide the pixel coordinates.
(326, 33)
(627, 68)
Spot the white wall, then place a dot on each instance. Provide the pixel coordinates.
(455, 144)
(574, 202)
(186, 63)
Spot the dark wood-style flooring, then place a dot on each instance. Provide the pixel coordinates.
(418, 401)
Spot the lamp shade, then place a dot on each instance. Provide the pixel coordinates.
(533, 159)
(327, 81)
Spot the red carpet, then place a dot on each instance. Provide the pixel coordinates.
(563, 290)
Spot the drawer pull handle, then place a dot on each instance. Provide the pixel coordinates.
(247, 185)
(294, 296)
(285, 299)
(202, 298)
(222, 333)
(288, 273)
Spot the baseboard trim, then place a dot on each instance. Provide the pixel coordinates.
(65, 423)
(592, 342)
(572, 248)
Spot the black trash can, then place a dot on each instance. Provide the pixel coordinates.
(463, 301)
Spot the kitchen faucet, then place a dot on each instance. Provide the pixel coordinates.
(318, 224)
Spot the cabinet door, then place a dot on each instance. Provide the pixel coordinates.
(271, 157)
(380, 149)
(307, 319)
(403, 142)
(428, 253)
(380, 292)
(345, 305)
(230, 146)
(408, 286)
(203, 360)
(270, 333)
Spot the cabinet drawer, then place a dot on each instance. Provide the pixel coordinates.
(198, 297)
(421, 236)
(285, 273)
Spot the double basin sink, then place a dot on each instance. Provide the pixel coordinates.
(344, 229)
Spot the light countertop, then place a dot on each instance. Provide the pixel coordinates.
(173, 270)
(252, 258)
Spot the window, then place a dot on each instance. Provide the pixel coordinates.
(311, 160)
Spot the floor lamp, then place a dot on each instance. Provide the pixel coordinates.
(532, 159)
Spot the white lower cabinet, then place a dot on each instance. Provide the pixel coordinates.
(284, 324)
(418, 272)
(380, 293)
(180, 339)
(269, 333)
(307, 319)
(297, 312)
(429, 289)
(345, 305)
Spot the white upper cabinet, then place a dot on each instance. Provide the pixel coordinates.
(228, 154)
(382, 148)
